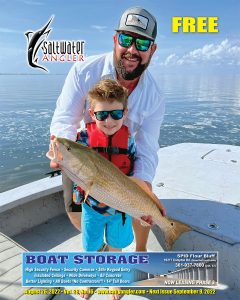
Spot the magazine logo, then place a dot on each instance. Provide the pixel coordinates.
(41, 49)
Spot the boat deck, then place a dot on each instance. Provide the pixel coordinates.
(11, 270)
(56, 235)
(59, 235)
(206, 198)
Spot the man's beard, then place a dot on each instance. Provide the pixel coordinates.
(129, 75)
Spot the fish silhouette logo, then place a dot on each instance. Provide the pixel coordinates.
(35, 40)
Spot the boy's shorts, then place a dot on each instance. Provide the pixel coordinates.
(95, 224)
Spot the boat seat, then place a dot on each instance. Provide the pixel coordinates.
(11, 271)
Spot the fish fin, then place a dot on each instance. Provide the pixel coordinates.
(88, 190)
(85, 198)
(177, 229)
(140, 183)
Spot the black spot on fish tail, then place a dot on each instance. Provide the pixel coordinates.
(176, 230)
(169, 234)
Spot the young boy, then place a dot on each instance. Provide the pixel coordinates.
(107, 135)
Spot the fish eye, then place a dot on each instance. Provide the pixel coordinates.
(68, 148)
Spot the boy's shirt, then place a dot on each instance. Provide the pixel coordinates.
(78, 194)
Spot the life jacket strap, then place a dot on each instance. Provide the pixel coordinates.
(111, 150)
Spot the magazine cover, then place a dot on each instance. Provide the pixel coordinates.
(120, 153)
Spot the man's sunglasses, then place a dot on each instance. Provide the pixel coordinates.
(126, 40)
(116, 114)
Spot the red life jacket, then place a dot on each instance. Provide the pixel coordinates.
(113, 148)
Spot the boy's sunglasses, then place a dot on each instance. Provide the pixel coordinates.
(126, 40)
(116, 114)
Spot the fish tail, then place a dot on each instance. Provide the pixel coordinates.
(175, 231)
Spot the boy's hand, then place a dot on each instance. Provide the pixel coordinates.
(53, 164)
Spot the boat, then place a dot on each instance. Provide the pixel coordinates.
(197, 183)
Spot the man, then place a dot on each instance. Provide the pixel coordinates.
(133, 49)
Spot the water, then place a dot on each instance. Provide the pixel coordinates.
(201, 109)
(27, 105)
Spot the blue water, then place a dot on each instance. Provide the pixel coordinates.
(199, 109)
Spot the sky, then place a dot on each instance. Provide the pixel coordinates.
(94, 21)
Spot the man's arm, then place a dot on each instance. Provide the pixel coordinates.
(147, 144)
(69, 107)
(69, 110)
(159, 204)
(147, 148)
(71, 102)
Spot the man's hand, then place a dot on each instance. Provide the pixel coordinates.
(147, 219)
(159, 204)
(53, 164)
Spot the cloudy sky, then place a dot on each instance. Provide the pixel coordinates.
(94, 21)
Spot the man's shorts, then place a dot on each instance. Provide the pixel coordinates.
(94, 225)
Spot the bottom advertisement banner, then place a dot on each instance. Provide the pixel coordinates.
(94, 269)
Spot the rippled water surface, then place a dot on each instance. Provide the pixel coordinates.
(201, 109)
